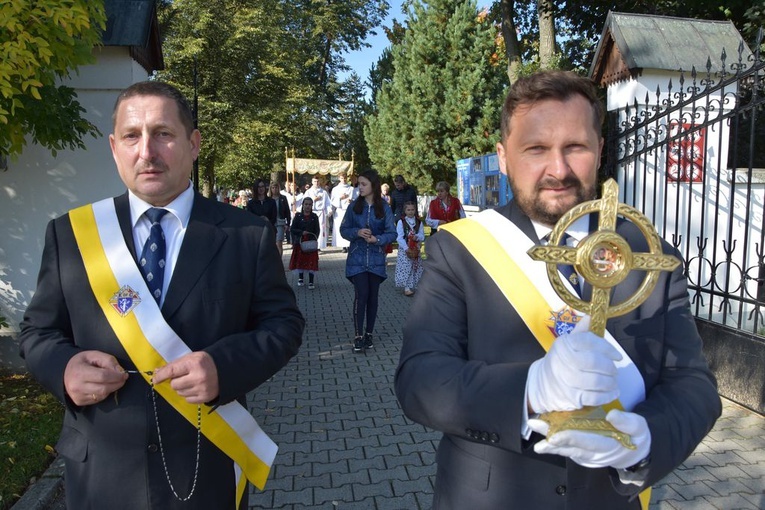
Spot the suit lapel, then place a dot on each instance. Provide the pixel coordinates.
(512, 212)
(201, 242)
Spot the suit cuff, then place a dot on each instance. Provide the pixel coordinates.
(525, 430)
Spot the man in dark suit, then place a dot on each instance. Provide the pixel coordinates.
(152, 369)
(474, 364)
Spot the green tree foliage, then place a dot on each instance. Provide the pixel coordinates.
(352, 115)
(754, 22)
(246, 83)
(42, 42)
(323, 30)
(382, 71)
(443, 100)
(580, 24)
(266, 78)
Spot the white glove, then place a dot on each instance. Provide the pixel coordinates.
(596, 451)
(577, 371)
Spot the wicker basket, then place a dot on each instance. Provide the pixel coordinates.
(309, 245)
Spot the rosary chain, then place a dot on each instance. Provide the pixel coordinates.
(162, 449)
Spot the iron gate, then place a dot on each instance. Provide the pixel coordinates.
(692, 158)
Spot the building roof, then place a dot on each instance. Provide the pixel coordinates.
(134, 23)
(631, 43)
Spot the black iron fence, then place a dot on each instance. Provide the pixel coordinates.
(691, 156)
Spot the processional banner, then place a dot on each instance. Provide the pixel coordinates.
(319, 166)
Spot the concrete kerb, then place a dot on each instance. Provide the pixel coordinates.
(45, 490)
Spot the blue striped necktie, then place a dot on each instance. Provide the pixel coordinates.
(152, 261)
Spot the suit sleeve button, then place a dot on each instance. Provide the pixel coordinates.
(494, 438)
(560, 490)
(152, 448)
(484, 436)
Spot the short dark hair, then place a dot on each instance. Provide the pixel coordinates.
(557, 85)
(161, 89)
(399, 178)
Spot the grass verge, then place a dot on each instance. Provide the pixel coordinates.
(30, 422)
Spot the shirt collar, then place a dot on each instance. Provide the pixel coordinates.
(180, 207)
(579, 229)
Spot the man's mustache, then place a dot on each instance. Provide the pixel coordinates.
(152, 166)
(552, 182)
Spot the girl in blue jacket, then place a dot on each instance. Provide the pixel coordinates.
(368, 225)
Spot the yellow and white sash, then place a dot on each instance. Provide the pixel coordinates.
(135, 317)
(500, 247)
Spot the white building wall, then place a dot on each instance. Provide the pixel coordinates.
(38, 187)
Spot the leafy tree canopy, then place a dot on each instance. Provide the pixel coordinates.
(579, 24)
(267, 79)
(40, 43)
(444, 96)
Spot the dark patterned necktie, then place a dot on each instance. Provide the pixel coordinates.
(567, 270)
(152, 261)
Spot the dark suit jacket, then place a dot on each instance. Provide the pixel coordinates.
(463, 370)
(228, 296)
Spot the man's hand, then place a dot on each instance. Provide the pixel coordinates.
(577, 371)
(596, 451)
(90, 376)
(193, 376)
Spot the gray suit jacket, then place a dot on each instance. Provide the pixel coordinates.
(227, 296)
(463, 370)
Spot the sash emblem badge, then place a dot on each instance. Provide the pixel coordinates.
(563, 321)
(125, 300)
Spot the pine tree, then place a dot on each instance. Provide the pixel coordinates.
(445, 97)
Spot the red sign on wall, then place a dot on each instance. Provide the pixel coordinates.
(685, 157)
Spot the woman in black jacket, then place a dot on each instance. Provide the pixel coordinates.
(261, 204)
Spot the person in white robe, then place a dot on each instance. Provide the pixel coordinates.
(342, 196)
(320, 207)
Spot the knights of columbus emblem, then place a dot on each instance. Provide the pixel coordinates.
(125, 300)
(563, 321)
